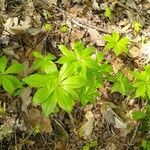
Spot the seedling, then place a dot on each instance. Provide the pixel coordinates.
(108, 12)
(116, 43)
(64, 28)
(47, 27)
(136, 26)
(8, 80)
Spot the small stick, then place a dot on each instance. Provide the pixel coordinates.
(80, 23)
(136, 128)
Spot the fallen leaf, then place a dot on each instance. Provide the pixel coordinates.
(35, 118)
(131, 4)
(112, 117)
(26, 98)
(34, 31)
(134, 51)
(95, 5)
(111, 146)
(76, 34)
(87, 127)
(96, 37)
(14, 26)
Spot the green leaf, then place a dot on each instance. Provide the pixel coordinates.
(121, 84)
(14, 68)
(88, 51)
(48, 106)
(65, 50)
(37, 54)
(107, 37)
(105, 68)
(16, 82)
(100, 57)
(3, 63)
(121, 46)
(73, 93)
(66, 59)
(41, 95)
(115, 36)
(140, 91)
(36, 80)
(64, 100)
(47, 27)
(109, 46)
(74, 82)
(49, 57)
(37, 64)
(78, 47)
(90, 63)
(108, 12)
(48, 67)
(7, 85)
(66, 71)
(139, 115)
(142, 83)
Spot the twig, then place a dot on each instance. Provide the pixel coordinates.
(134, 134)
(72, 121)
(80, 22)
(136, 129)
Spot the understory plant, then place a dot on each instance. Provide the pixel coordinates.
(8, 79)
(116, 43)
(78, 78)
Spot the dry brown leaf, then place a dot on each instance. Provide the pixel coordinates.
(14, 26)
(76, 35)
(117, 65)
(87, 127)
(95, 5)
(76, 10)
(35, 118)
(131, 4)
(26, 98)
(111, 117)
(111, 146)
(134, 51)
(96, 37)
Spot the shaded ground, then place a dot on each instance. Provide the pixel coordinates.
(22, 31)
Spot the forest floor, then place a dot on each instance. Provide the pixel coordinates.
(106, 124)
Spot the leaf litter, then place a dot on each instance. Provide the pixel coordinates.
(22, 32)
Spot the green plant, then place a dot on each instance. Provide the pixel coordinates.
(55, 88)
(117, 44)
(121, 84)
(63, 28)
(77, 80)
(79, 56)
(146, 144)
(136, 26)
(108, 12)
(8, 80)
(47, 27)
(144, 117)
(142, 83)
(93, 70)
(44, 63)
